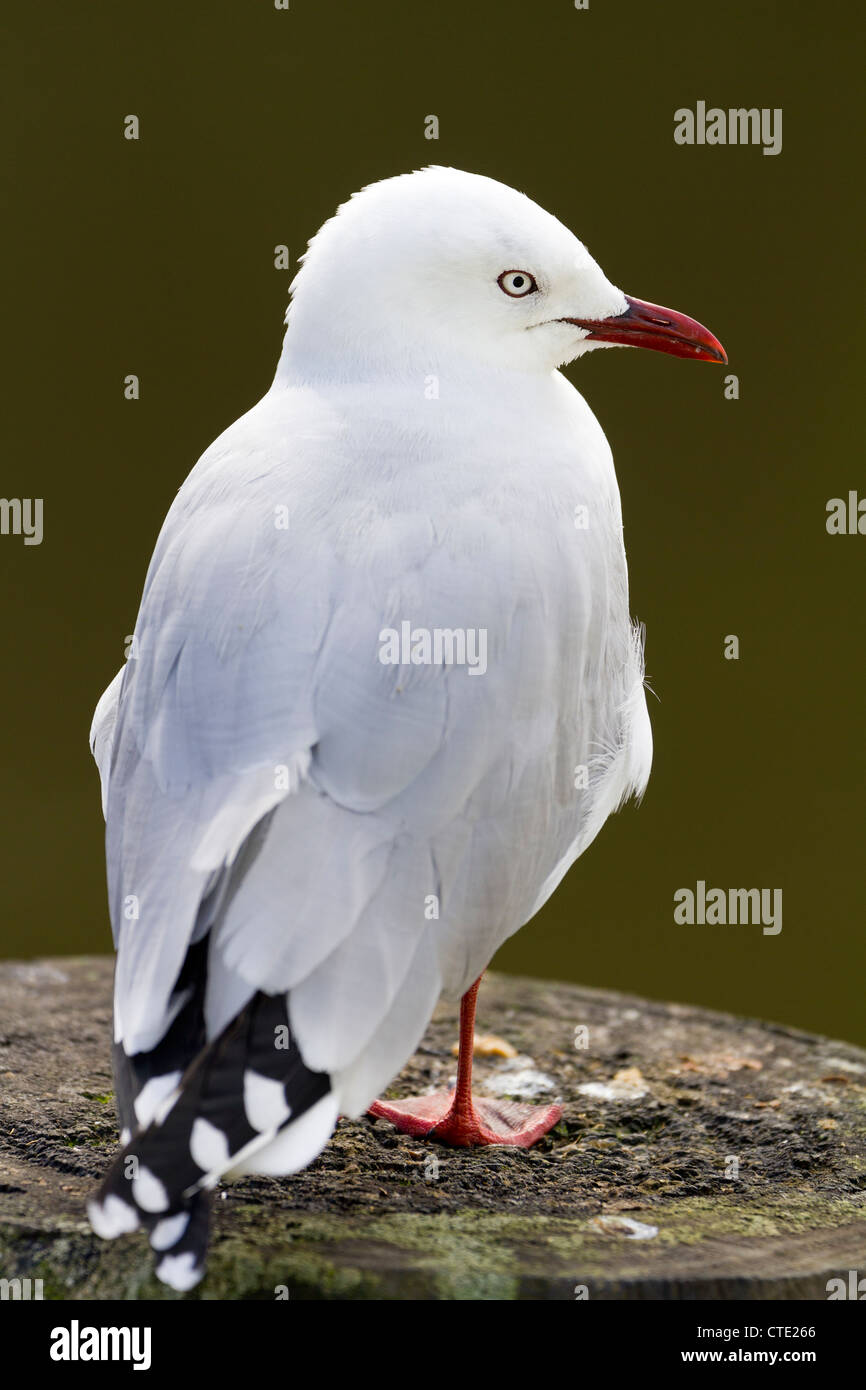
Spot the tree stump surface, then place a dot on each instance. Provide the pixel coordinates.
(700, 1156)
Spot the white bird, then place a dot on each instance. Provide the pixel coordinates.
(384, 690)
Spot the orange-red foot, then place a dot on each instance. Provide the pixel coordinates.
(481, 1122)
(457, 1117)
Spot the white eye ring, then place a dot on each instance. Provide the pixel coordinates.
(517, 283)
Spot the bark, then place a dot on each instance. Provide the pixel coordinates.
(710, 1157)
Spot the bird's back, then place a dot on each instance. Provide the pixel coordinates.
(385, 689)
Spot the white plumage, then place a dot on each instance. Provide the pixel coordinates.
(274, 790)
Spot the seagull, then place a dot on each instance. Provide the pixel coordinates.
(384, 689)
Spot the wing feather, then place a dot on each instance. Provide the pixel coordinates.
(258, 699)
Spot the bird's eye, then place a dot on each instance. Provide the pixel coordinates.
(517, 283)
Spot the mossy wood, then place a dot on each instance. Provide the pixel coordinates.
(710, 1157)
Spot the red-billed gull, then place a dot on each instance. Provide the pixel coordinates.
(384, 690)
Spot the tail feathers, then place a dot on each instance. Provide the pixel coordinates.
(181, 1242)
(143, 1080)
(243, 1089)
(179, 1235)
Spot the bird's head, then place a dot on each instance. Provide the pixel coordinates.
(441, 266)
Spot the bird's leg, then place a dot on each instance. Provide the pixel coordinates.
(456, 1117)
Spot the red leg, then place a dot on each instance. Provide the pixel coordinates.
(455, 1117)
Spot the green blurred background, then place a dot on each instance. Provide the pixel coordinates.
(156, 258)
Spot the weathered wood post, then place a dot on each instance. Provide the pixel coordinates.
(699, 1156)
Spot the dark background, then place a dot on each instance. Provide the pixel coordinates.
(156, 258)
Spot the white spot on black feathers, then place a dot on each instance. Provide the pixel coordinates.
(149, 1104)
(209, 1147)
(168, 1232)
(148, 1192)
(112, 1216)
(232, 1101)
(180, 1272)
(265, 1101)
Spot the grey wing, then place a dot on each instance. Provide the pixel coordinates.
(407, 814)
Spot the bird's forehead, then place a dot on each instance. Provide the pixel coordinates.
(484, 238)
(462, 218)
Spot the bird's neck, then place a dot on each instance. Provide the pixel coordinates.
(324, 362)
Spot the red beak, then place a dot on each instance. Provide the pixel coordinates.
(650, 326)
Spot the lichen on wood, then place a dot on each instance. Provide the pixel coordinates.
(699, 1155)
